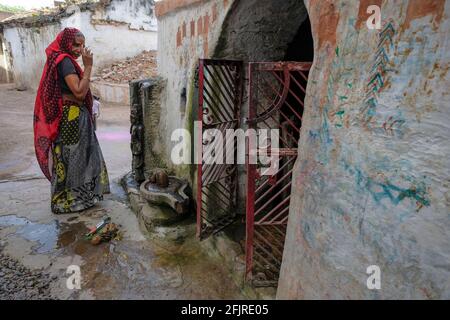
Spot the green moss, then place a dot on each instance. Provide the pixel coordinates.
(155, 161)
(152, 110)
(191, 116)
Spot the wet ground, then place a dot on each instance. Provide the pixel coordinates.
(37, 247)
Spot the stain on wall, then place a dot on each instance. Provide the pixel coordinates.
(421, 8)
(329, 19)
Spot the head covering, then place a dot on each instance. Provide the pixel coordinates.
(48, 105)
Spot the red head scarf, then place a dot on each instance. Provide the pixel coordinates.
(48, 105)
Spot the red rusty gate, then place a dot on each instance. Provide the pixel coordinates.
(276, 94)
(276, 97)
(220, 84)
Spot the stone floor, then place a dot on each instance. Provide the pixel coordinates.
(37, 247)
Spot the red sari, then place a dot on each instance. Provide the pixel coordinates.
(49, 105)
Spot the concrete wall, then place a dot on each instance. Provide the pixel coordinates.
(6, 75)
(27, 50)
(111, 92)
(114, 32)
(372, 181)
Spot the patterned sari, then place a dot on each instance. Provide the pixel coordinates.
(79, 175)
(64, 133)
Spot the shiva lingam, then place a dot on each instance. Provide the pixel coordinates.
(162, 189)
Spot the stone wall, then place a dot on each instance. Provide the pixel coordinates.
(114, 31)
(252, 31)
(372, 181)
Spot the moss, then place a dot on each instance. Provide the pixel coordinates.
(151, 105)
(189, 171)
(188, 254)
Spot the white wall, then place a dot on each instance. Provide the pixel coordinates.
(139, 14)
(27, 47)
(109, 41)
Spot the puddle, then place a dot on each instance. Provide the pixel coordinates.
(9, 221)
(49, 237)
(130, 269)
(46, 235)
(72, 236)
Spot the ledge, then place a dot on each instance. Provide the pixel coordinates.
(167, 6)
(112, 92)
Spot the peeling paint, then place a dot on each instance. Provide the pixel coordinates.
(421, 8)
(371, 178)
(329, 22)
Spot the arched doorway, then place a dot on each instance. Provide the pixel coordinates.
(273, 40)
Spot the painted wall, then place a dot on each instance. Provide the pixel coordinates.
(114, 32)
(188, 30)
(372, 183)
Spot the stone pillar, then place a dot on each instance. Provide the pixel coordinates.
(137, 132)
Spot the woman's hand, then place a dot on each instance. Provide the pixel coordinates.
(88, 57)
(80, 87)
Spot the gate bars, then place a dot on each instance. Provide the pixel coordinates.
(276, 101)
(220, 83)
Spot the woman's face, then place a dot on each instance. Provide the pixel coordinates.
(77, 46)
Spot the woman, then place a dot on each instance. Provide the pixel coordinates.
(66, 146)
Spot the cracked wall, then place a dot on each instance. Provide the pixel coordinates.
(371, 184)
(193, 29)
(188, 30)
(123, 28)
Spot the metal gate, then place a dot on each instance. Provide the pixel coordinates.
(276, 96)
(220, 83)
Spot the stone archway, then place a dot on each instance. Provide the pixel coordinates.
(266, 30)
